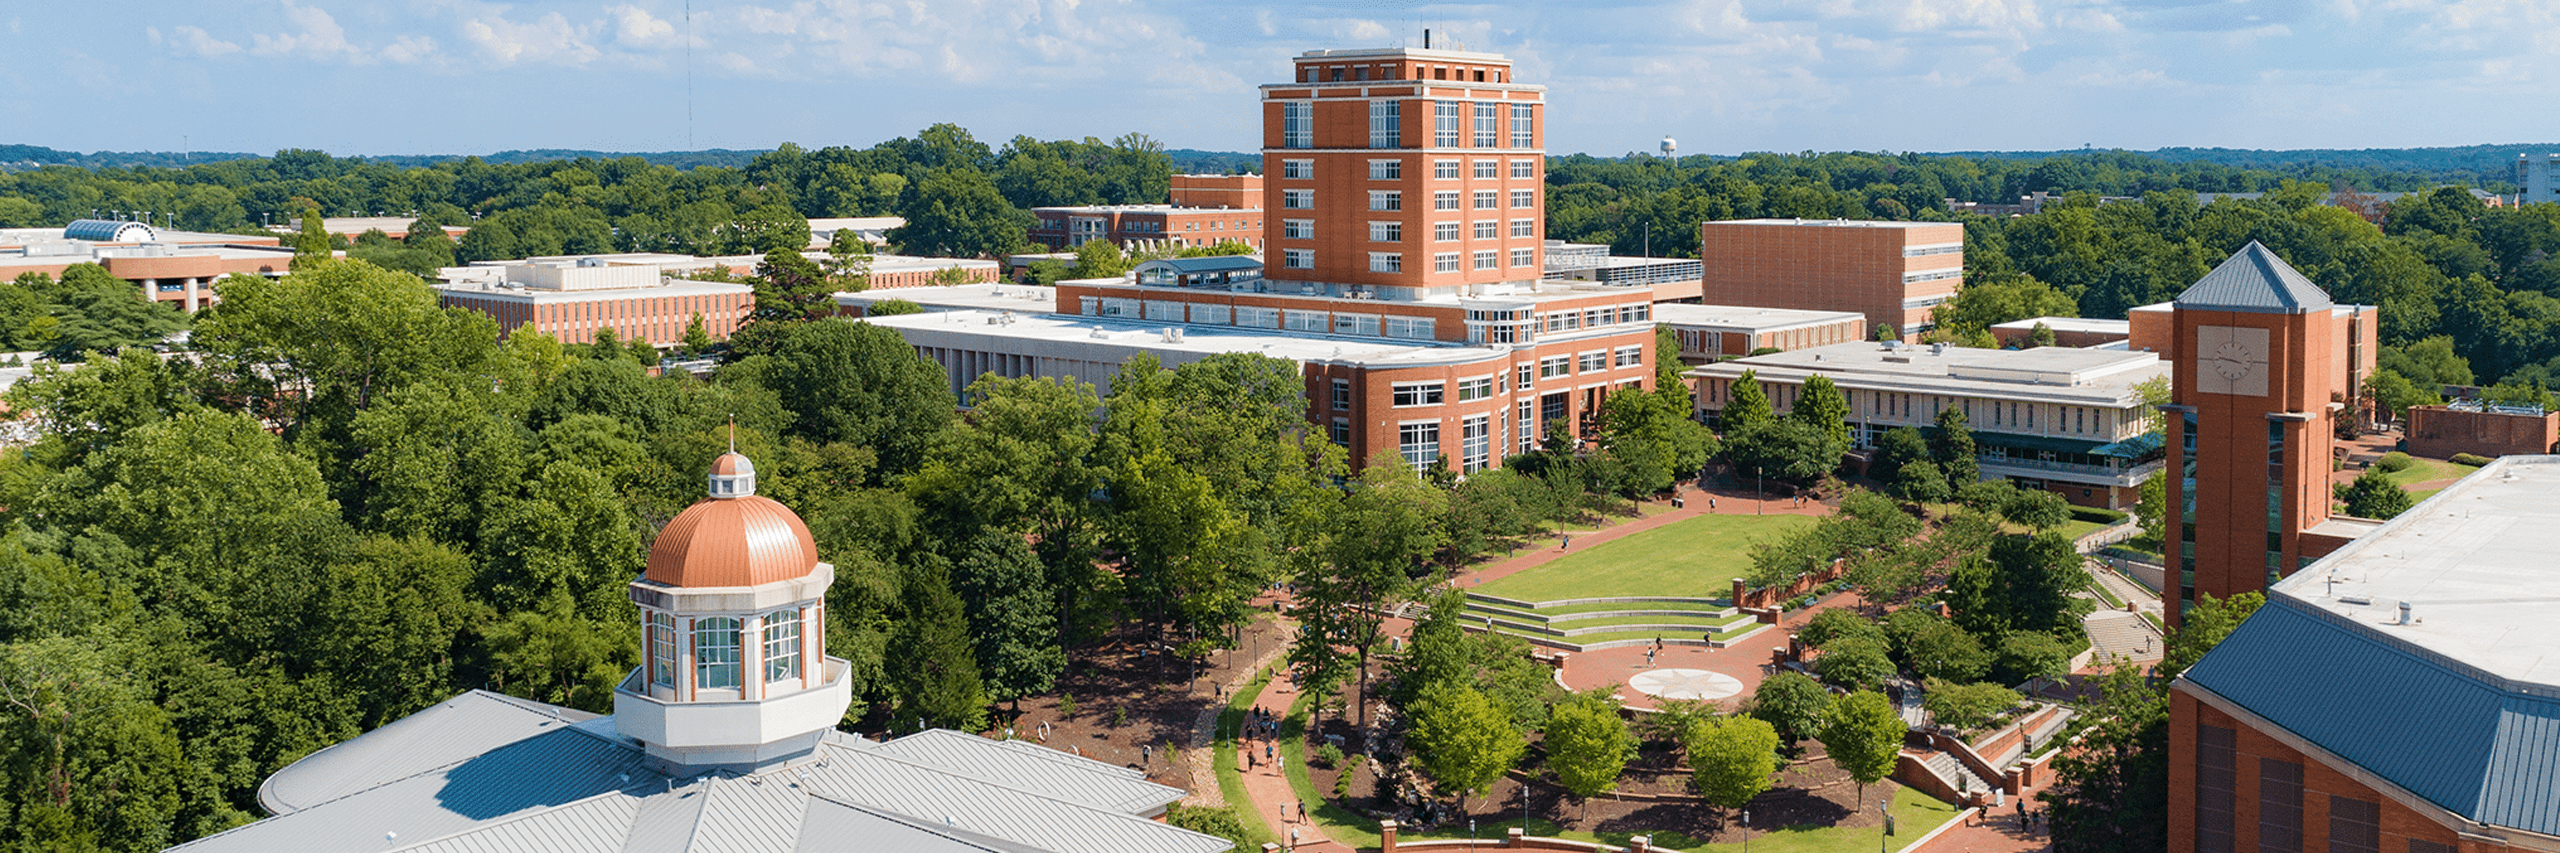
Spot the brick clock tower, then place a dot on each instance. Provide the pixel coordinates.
(2267, 367)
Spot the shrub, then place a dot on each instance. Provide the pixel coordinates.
(2394, 461)
(1209, 821)
(1066, 705)
(1328, 756)
(2471, 459)
(1835, 623)
(1854, 663)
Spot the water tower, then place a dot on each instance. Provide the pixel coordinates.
(1670, 148)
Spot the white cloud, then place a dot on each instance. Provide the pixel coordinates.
(194, 41)
(312, 34)
(549, 39)
(635, 26)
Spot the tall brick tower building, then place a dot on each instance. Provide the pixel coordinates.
(2266, 367)
(1404, 168)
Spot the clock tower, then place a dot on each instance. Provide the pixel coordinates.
(2267, 368)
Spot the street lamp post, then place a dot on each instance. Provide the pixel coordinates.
(1881, 837)
(1746, 831)
(1471, 833)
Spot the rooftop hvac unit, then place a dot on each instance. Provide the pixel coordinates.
(1100, 334)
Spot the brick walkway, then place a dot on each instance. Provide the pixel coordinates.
(1996, 833)
(1268, 789)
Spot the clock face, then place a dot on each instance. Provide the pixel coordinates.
(2231, 360)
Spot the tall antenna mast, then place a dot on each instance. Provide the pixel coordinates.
(688, 100)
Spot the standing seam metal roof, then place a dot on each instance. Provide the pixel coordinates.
(2480, 751)
(2255, 280)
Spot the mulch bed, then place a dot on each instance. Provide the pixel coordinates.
(1127, 698)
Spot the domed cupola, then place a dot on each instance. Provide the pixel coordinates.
(735, 674)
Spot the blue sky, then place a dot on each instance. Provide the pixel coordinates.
(1724, 76)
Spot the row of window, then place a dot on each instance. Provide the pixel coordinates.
(1449, 124)
(717, 644)
(1357, 73)
(1393, 170)
(1931, 275)
(1923, 251)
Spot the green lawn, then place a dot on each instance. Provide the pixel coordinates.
(2076, 528)
(1914, 814)
(1698, 557)
(2427, 470)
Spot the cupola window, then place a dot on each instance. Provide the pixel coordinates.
(662, 649)
(782, 645)
(715, 653)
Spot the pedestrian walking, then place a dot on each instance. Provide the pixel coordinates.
(1293, 838)
(1711, 504)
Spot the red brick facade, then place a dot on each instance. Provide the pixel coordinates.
(2250, 789)
(1893, 272)
(2437, 432)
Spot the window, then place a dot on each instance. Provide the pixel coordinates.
(1298, 259)
(2217, 785)
(1488, 125)
(1630, 356)
(1297, 125)
(662, 649)
(1924, 251)
(1215, 315)
(1298, 199)
(1488, 259)
(1528, 425)
(1444, 232)
(1386, 232)
(1527, 378)
(1419, 393)
(715, 653)
(1162, 310)
(1342, 395)
(1118, 308)
(1591, 362)
(1523, 126)
(1524, 227)
(1529, 198)
(1487, 229)
(1931, 275)
(1257, 318)
(1444, 262)
(1524, 257)
(1523, 168)
(1444, 124)
(1341, 432)
(1308, 321)
(781, 645)
(1475, 389)
(1475, 443)
(1386, 262)
(1446, 170)
(2355, 826)
(1297, 170)
(1444, 200)
(1355, 324)
(1386, 199)
(1420, 443)
(2279, 806)
(1386, 170)
(1637, 313)
(1554, 366)
(1418, 328)
(1298, 229)
(1488, 169)
(1488, 199)
(1386, 126)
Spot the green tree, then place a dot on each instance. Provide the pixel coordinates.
(312, 242)
(2204, 626)
(2151, 508)
(936, 680)
(1100, 259)
(2112, 791)
(1012, 616)
(1862, 734)
(1652, 439)
(1785, 449)
(957, 213)
(1746, 406)
(2041, 336)
(697, 336)
(1831, 623)
(1792, 703)
(1731, 759)
(1968, 707)
(2374, 495)
(551, 653)
(1854, 663)
(91, 758)
(93, 311)
(2036, 508)
(1588, 745)
(1462, 740)
(790, 288)
(1932, 647)
(1822, 407)
(859, 383)
(2027, 655)
(1375, 542)
(1900, 448)
(1951, 445)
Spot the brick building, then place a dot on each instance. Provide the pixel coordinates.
(1710, 332)
(2266, 366)
(1893, 272)
(172, 268)
(2438, 432)
(1406, 278)
(569, 298)
(1228, 191)
(2067, 331)
(2403, 694)
(2071, 421)
(1151, 225)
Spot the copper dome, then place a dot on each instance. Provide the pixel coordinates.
(743, 541)
(731, 464)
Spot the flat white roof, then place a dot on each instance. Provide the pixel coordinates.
(911, 263)
(666, 287)
(992, 297)
(1114, 340)
(2050, 374)
(24, 236)
(1835, 223)
(2475, 564)
(1741, 317)
(2071, 324)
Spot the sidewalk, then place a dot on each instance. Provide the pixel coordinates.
(1996, 833)
(1269, 789)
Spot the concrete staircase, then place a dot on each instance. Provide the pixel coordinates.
(1957, 776)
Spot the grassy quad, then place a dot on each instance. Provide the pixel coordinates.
(1698, 557)
(2428, 471)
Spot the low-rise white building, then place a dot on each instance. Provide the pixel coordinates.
(2076, 421)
